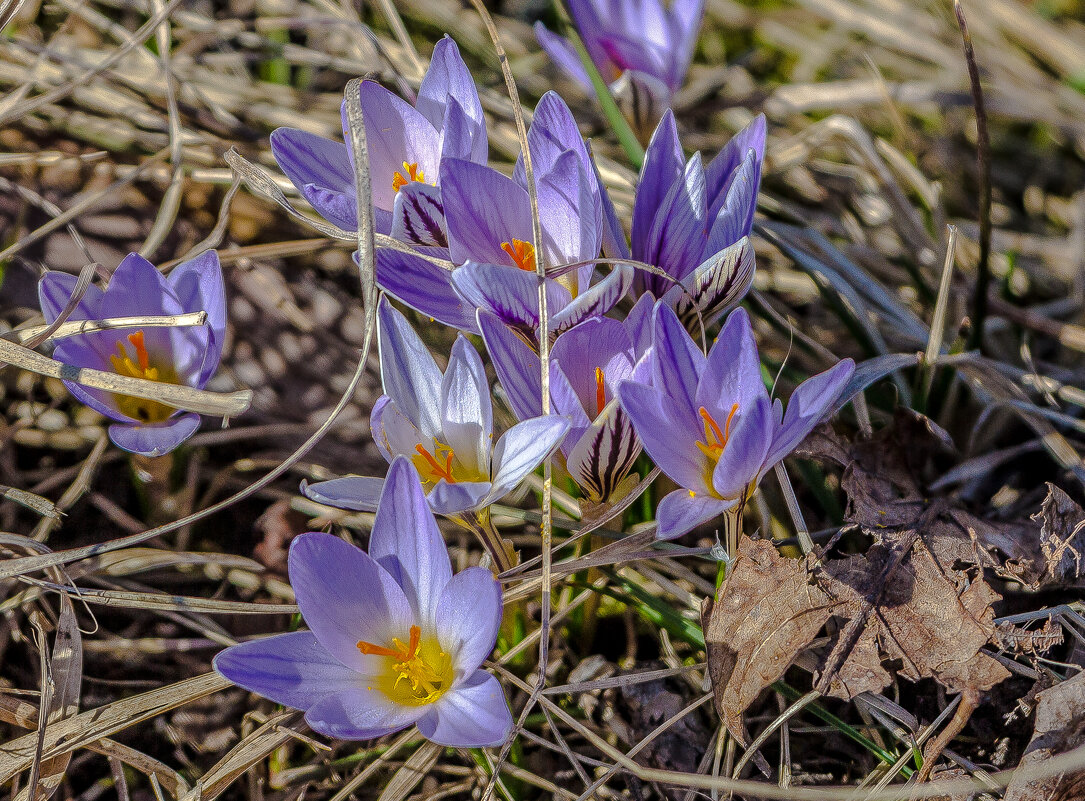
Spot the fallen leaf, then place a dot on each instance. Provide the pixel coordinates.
(1059, 727)
(1062, 538)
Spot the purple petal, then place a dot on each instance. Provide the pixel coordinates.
(321, 170)
(466, 410)
(483, 210)
(733, 371)
(522, 448)
(685, 17)
(672, 446)
(510, 294)
(639, 324)
(564, 401)
(199, 286)
(360, 713)
(448, 78)
(518, 367)
(393, 432)
(553, 133)
(346, 597)
(596, 300)
(677, 363)
(734, 220)
(590, 26)
(605, 453)
(718, 283)
(807, 405)
(409, 374)
(55, 290)
(680, 512)
(468, 618)
(463, 496)
(157, 439)
(614, 244)
(601, 343)
(425, 287)
(356, 493)
(396, 134)
(407, 543)
(677, 239)
(747, 446)
(663, 165)
(721, 170)
(562, 53)
(642, 97)
(290, 669)
(418, 217)
(473, 715)
(571, 218)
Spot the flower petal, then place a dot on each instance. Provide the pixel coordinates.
(393, 432)
(199, 286)
(418, 217)
(518, 367)
(356, 493)
(596, 300)
(677, 364)
(663, 164)
(522, 448)
(597, 343)
(807, 405)
(321, 170)
(734, 220)
(605, 453)
(55, 290)
(449, 79)
(155, 440)
(425, 287)
(483, 210)
(468, 618)
(720, 171)
(570, 216)
(672, 447)
(747, 446)
(466, 409)
(679, 512)
(346, 597)
(642, 97)
(677, 239)
(290, 669)
(563, 54)
(715, 286)
(473, 715)
(409, 374)
(407, 543)
(463, 496)
(510, 294)
(360, 713)
(732, 374)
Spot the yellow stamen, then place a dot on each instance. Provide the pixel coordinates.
(715, 439)
(522, 253)
(142, 409)
(418, 671)
(600, 391)
(413, 174)
(428, 466)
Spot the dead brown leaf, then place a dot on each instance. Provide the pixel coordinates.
(1062, 538)
(1060, 727)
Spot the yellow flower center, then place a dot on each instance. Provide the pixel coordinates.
(413, 174)
(522, 254)
(139, 366)
(417, 672)
(441, 464)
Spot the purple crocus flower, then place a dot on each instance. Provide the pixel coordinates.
(693, 222)
(488, 217)
(587, 363)
(709, 423)
(394, 638)
(406, 145)
(442, 422)
(187, 355)
(642, 48)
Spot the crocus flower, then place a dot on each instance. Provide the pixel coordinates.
(488, 217)
(709, 423)
(443, 423)
(394, 638)
(406, 145)
(642, 48)
(693, 222)
(587, 363)
(187, 355)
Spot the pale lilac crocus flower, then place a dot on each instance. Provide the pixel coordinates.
(406, 145)
(642, 49)
(708, 421)
(394, 638)
(693, 222)
(443, 423)
(491, 244)
(587, 364)
(185, 355)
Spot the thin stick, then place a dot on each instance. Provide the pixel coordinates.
(75, 327)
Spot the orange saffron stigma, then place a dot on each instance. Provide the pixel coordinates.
(438, 470)
(413, 174)
(522, 253)
(715, 439)
(399, 651)
(141, 350)
(600, 391)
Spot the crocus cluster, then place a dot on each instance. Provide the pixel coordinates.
(641, 48)
(187, 355)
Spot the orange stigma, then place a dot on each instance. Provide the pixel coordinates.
(413, 174)
(399, 651)
(522, 253)
(600, 391)
(428, 466)
(715, 439)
